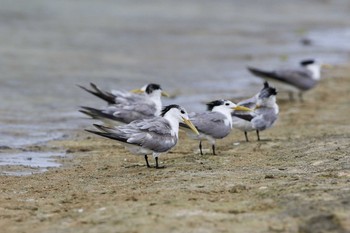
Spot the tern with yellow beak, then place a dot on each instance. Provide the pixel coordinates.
(125, 107)
(150, 136)
(293, 80)
(216, 123)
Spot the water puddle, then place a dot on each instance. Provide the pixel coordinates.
(28, 163)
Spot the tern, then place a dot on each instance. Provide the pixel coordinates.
(216, 123)
(298, 80)
(125, 107)
(149, 136)
(265, 112)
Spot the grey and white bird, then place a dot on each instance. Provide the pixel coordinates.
(297, 80)
(216, 123)
(265, 112)
(149, 136)
(125, 107)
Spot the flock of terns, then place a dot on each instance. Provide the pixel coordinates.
(137, 119)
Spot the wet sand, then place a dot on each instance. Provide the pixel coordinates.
(297, 179)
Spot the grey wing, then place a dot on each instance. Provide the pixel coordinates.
(154, 134)
(264, 119)
(249, 103)
(131, 112)
(298, 78)
(126, 98)
(211, 123)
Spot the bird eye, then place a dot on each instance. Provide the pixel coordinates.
(182, 112)
(227, 104)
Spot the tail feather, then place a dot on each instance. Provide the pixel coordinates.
(103, 128)
(262, 73)
(107, 96)
(108, 135)
(97, 114)
(112, 136)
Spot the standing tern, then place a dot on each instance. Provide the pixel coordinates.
(216, 123)
(125, 107)
(156, 135)
(293, 80)
(263, 116)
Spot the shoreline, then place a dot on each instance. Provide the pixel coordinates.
(295, 180)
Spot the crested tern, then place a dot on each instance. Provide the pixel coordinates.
(125, 107)
(298, 80)
(216, 123)
(155, 135)
(264, 114)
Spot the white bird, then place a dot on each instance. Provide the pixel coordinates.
(216, 123)
(264, 114)
(293, 80)
(155, 135)
(125, 107)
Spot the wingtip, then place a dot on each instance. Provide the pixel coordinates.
(91, 131)
(250, 68)
(82, 87)
(97, 126)
(94, 86)
(102, 127)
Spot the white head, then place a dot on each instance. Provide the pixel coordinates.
(225, 106)
(175, 114)
(222, 106)
(175, 111)
(153, 92)
(312, 66)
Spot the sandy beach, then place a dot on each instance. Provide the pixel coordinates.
(55, 177)
(297, 179)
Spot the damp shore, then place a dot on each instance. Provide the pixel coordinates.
(296, 179)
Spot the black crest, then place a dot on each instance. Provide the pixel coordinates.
(307, 62)
(214, 103)
(152, 87)
(167, 108)
(267, 91)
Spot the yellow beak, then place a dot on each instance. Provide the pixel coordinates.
(137, 91)
(189, 123)
(165, 94)
(241, 108)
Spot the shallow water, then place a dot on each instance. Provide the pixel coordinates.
(29, 162)
(197, 50)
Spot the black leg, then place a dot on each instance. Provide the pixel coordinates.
(291, 97)
(213, 147)
(157, 162)
(257, 134)
(146, 158)
(246, 136)
(200, 147)
(157, 165)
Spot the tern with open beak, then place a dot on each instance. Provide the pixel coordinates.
(149, 136)
(216, 123)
